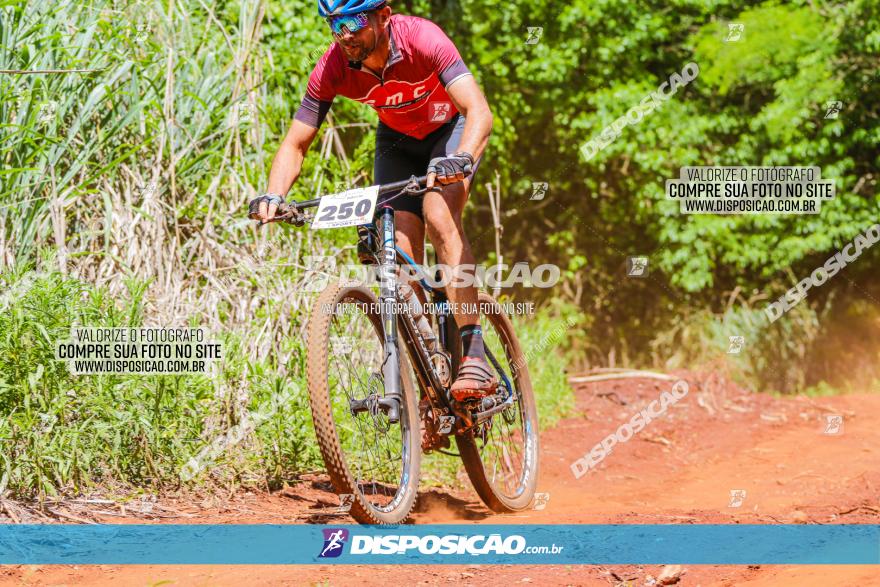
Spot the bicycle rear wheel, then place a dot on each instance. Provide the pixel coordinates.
(365, 454)
(501, 456)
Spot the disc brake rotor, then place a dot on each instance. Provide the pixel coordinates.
(375, 385)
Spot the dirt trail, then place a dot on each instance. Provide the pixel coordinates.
(679, 469)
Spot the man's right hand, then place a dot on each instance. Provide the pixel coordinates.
(263, 207)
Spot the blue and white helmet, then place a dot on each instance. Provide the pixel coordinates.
(345, 7)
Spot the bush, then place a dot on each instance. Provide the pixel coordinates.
(67, 433)
(773, 356)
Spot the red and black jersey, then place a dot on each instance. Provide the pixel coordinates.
(410, 97)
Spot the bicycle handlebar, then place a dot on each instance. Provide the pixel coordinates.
(412, 186)
(383, 189)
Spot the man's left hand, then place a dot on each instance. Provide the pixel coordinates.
(450, 169)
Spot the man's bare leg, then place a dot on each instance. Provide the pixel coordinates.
(410, 233)
(442, 211)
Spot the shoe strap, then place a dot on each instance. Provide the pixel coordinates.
(475, 369)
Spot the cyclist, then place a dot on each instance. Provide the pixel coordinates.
(432, 118)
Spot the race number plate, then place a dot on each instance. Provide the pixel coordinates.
(349, 208)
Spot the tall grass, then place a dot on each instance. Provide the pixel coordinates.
(131, 140)
(65, 433)
(132, 136)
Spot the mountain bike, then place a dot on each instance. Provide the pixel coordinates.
(369, 420)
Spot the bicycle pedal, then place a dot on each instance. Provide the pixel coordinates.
(473, 400)
(445, 424)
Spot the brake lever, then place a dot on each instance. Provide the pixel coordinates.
(413, 189)
(287, 213)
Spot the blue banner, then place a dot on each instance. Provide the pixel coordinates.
(440, 544)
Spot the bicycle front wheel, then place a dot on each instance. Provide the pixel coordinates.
(367, 456)
(501, 455)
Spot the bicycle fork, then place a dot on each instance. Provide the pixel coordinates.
(387, 273)
(388, 298)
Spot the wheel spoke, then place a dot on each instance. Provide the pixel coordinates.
(372, 447)
(504, 455)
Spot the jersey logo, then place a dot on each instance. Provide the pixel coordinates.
(397, 95)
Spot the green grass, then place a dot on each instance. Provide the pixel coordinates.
(773, 356)
(135, 174)
(68, 434)
(63, 433)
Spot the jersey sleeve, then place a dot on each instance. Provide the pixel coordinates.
(319, 94)
(442, 54)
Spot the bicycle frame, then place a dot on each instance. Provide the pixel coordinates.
(495, 434)
(448, 330)
(386, 255)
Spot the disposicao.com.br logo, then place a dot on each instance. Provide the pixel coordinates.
(450, 544)
(334, 541)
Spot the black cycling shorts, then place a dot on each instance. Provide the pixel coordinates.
(400, 156)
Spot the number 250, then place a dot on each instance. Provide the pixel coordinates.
(345, 210)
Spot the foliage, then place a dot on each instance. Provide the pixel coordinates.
(758, 101)
(62, 432)
(704, 338)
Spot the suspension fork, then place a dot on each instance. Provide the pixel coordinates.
(388, 310)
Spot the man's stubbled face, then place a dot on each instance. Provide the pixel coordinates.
(358, 46)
